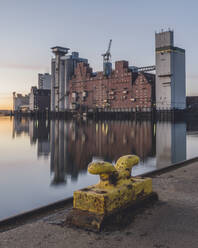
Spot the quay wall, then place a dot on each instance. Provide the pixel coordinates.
(110, 114)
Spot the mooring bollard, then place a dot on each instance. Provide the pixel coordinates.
(116, 191)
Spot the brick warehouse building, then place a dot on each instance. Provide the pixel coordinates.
(123, 89)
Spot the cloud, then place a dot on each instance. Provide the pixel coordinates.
(24, 66)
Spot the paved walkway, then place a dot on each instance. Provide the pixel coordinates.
(171, 222)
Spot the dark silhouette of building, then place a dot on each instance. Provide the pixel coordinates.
(39, 99)
(192, 102)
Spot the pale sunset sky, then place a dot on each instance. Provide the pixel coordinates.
(30, 28)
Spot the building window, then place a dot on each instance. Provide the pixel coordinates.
(84, 94)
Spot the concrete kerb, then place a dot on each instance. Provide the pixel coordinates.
(25, 217)
(169, 168)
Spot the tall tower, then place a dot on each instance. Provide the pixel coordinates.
(58, 81)
(170, 73)
(62, 69)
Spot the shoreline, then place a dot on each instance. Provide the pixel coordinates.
(37, 213)
(171, 222)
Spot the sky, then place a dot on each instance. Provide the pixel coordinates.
(30, 28)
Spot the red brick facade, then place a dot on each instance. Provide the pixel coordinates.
(123, 89)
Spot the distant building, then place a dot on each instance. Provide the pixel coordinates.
(39, 99)
(123, 89)
(4, 112)
(74, 85)
(20, 102)
(32, 96)
(170, 73)
(192, 102)
(62, 69)
(44, 81)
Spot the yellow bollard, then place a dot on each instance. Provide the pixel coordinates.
(115, 192)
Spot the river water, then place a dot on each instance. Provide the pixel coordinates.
(45, 161)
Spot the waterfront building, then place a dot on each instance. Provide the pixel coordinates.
(44, 81)
(192, 102)
(62, 69)
(39, 99)
(122, 89)
(170, 73)
(20, 102)
(125, 88)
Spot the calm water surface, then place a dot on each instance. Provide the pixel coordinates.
(42, 162)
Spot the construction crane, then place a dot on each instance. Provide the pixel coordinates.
(107, 55)
(107, 66)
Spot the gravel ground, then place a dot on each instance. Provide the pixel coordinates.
(170, 222)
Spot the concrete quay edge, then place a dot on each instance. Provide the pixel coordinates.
(169, 168)
(23, 218)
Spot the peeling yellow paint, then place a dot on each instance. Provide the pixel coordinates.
(124, 165)
(116, 188)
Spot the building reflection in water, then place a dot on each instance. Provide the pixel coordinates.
(73, 145)
(170, 143)
(37, 130)
(20, 126)
(58, 142)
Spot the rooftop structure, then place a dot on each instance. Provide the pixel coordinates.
(60, 50)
